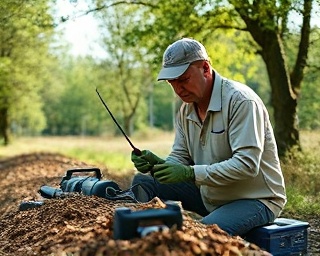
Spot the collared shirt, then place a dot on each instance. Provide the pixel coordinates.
(233, 152)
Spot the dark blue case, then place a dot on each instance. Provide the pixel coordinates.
(281, 238)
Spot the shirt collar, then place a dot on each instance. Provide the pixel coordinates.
(215, 100)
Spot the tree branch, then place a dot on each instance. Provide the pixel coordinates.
(105, 6)
(301, 61)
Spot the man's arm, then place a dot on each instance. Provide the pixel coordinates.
(246, 133)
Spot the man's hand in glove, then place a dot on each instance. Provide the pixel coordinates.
(146, 161)
(172, 173)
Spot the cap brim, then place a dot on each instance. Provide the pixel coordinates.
(170, 73)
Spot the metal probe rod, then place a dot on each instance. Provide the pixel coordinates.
(135, 150)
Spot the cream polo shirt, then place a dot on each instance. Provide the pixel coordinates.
(234, 152)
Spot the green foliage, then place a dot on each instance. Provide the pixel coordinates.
(159, 24)
(131, 77)
(73, 106)
(301, 204)
(28, 117)
(164, 106)
(24, 47)
(302, 178)
(230, 55)
(309, 101)
(58, 94)
(302, 171)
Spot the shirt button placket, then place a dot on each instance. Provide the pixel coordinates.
(203, 134)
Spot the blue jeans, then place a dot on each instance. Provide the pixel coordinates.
(236, 218)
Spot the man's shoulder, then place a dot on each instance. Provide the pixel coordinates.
(235, 90)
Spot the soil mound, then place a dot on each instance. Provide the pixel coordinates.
(83, 225)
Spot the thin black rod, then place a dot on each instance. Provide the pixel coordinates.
(136, 150)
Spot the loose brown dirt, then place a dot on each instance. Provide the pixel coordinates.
(83, 225)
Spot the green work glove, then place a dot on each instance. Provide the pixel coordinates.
(172, 173)
(146, 161)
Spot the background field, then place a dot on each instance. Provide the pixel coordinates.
(113, 152)
(301, 169)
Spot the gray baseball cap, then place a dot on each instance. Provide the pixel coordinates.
(179, 55)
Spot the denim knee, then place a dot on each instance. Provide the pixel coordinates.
(240, 216)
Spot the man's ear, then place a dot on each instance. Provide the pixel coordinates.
(206, 67)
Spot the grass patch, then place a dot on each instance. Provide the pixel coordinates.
(112, 160)
(301, 171)
(301, 204)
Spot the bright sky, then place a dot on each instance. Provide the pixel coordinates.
(82, 32)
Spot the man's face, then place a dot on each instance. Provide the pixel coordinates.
(191, 85)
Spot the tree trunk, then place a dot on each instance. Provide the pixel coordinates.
(284, 101)
(128, 125)
(4, 125)
(285, 87)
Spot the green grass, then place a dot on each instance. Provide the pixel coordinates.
(302, 176)
(301, 204)
(112, 152)
(301, 169)
(113, 160)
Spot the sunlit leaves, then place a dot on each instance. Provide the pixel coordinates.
(24, 43)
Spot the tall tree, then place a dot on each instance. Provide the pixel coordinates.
(267, 22)
(24, 27)
(268, 25)
(132, 76)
